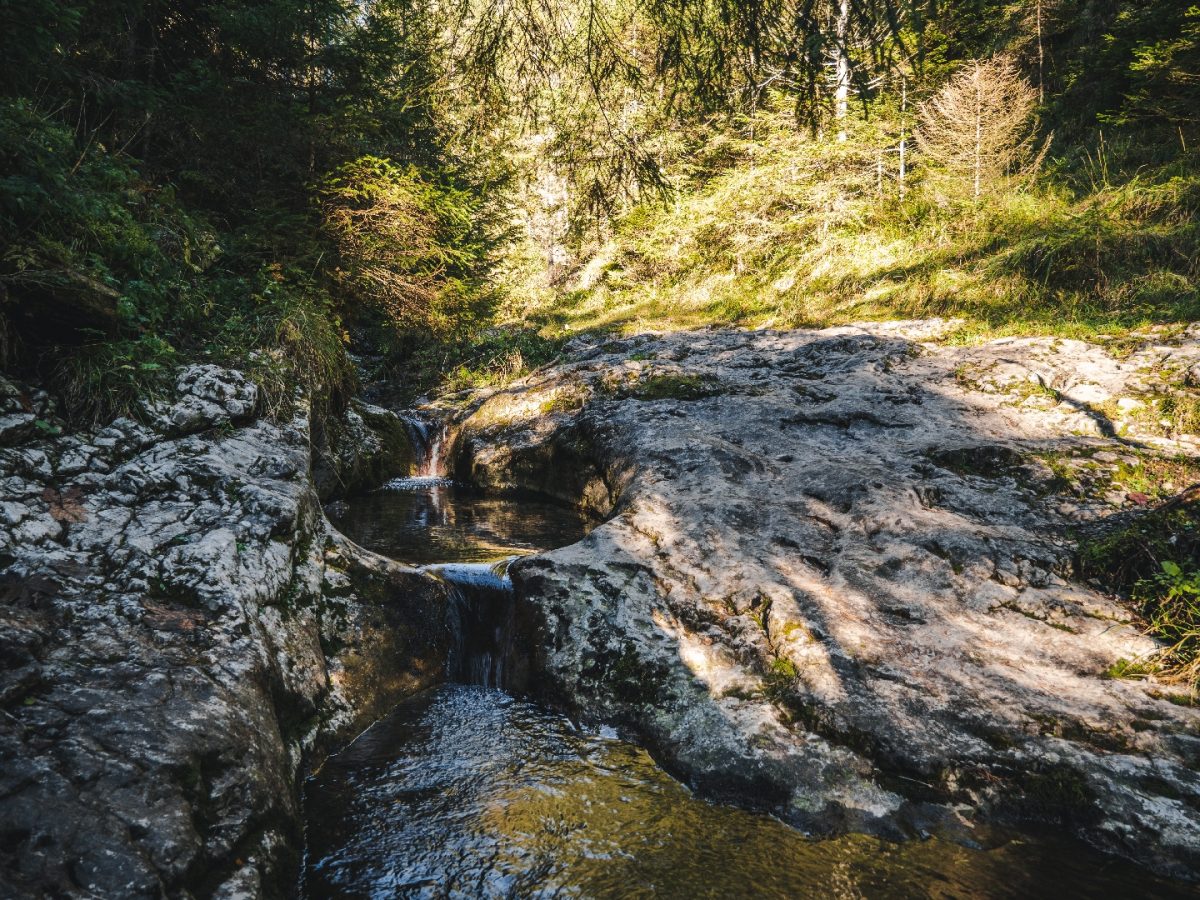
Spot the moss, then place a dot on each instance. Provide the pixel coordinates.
(1029, 389)
(1060, 795)
(779, 685)
(783, 666)
(563, 402)
(1128, 668)
(634, 680)
(674, 387)
(760, 608)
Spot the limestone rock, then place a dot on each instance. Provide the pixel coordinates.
(361, 449)
(178, 626)
(837, 581)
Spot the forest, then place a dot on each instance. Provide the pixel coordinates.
(618, 447)
(458, 184)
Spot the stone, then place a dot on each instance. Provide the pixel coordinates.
(361, 449)
(168, 655)
(15, 427)
(856, 614)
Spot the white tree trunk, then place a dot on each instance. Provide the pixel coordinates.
(842, 64)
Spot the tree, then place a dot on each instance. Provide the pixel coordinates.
(979, 127)
(405, 246)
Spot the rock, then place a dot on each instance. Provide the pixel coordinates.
(360, 450)
(16, 427)
(209, 396)
(178, 627)
(232, 391)
(832, 593)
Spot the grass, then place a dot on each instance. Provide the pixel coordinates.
(1154, 559)
(796, 233)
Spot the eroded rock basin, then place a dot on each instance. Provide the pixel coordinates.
(465, 792)
(431, 520)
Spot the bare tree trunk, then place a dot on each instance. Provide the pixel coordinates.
(978, 131)
(903, 135)
(842, 61)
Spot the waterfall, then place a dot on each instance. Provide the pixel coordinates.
(480, 618)
(428, 440)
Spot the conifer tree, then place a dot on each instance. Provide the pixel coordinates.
(978, 127)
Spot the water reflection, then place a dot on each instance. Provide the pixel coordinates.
(466, 792)
(434, 520)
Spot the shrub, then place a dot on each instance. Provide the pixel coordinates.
(407, 247)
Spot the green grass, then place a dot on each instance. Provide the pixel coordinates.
(1155, 560)
(796, 234)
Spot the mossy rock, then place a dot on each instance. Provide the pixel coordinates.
(674, 387)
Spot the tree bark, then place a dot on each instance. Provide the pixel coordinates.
(842, 63)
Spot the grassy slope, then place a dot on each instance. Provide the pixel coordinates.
(795, 232)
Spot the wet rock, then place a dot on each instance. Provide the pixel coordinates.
(361, 449)
(845, 593)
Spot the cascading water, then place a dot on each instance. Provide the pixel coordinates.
(428, 440)
(480, 616)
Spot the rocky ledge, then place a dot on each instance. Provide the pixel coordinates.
(178, 628)
(838, 579)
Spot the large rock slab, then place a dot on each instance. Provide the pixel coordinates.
(838, 579)
(178, 628)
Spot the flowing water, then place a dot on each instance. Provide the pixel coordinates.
(464, 791)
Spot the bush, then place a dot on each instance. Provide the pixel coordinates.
(408, 247)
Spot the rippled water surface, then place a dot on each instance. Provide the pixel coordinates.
(433, 520)
(466, 792)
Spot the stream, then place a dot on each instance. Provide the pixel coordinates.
(465, 791)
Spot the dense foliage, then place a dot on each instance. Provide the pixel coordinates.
(266, 183)
(1074, 213)
(170, 177)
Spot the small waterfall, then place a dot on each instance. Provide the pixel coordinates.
(480, 619)
(428, 440)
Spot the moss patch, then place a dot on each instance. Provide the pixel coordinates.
(673, 387)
